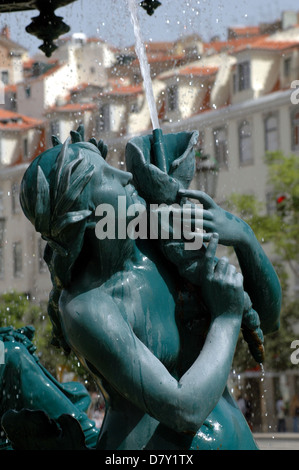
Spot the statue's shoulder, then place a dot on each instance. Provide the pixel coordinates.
(91, 321)
(94, 302)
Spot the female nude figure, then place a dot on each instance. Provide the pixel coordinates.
(160, 351)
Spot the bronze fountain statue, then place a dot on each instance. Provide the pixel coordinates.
(155, 324)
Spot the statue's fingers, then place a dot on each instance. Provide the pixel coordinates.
(210, 254)
(221, 267)
(202, 197)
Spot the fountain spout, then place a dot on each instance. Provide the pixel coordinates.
(160, 155)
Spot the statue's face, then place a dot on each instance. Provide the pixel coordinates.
(108, 184)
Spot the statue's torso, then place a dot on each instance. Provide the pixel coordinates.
(155, 310)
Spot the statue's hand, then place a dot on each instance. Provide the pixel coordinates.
(231, 230)
(222, 285)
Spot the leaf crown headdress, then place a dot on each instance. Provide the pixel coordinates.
(55, 212)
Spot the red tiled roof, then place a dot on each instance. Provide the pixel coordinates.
(230, 45)
(190, 70)
(28, 64)
(10, 88)
(160, 57)
(73, 107)
(96, 40)
(79, 87)
(262, 42)
(124, 90)
(46, 74)
(265, 43)
(14, 121)
(245, 30)
(198, 71)
(158, 46)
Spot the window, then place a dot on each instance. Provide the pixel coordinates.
(25, 148)
(241, 79)
(245, 143)
(2, 241)
(13, 102)
(172, 98)
(295, 129)
(28, 91)
(235, 88)
(15, 202)
(134, 108)
(17, 259)
(287, 66)
(103, 119)
(244, 76)
(220, 143)
(5, 77)
(271, 133)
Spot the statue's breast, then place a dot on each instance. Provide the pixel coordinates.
(149, 308)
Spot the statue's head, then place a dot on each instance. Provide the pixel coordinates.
(60, 191)
(53, 189)
(63, 187)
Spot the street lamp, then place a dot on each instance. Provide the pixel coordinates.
(150, 6)
(206, 173)
(47, 26)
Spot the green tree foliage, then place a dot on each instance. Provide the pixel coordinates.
(17, 310)
(278, 231)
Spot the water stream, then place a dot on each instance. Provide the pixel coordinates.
(144, 65)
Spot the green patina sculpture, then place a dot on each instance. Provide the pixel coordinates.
(25, 383)
(155, 324)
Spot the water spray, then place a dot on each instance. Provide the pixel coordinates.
(160, 155)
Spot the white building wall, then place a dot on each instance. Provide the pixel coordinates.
(19, 230)
(31, 105)
(59, 83)
(9, 147)
(264, 72)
